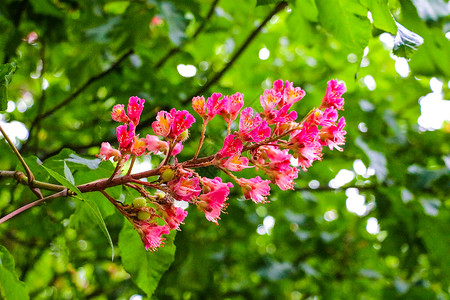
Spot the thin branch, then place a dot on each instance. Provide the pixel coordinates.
(23, 179)
(202, 138)
(281, 5)
(32, 204)
(22, 161)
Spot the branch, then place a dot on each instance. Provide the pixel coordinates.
(22, 161)
(281, 5)
(23, 179)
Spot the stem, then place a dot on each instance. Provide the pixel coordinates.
(202, 138)
(116, 169)
(169, 152)
(22, 178)
(133, 159)
(32, 204)
(22, 161)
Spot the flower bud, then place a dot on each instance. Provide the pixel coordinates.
(139, 202)
(183, 136)
(143, 215)
(168, 174)
(160, 195)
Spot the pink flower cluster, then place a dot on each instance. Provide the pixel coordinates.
(271, 141)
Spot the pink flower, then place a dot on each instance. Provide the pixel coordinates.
(236, 163)
(333, 95)
(177, 149)
(138, 147)
(185, 188)
(106, 152)
(151, 235)
(162, 124)
(255, 189)
(283, 175)
(214, 105)
(172, 124)
(231, 105)
(199, 105)
(282, 115)
(291, 94)
(123, 136)
(306, 146)
(212, 201)
(252, 128)
(156, 21)
(118, 114)
(231, 146)
(333, 135)
(174, 216)
(270, 99)
(134, 109)
(181, 120)
(155, 145)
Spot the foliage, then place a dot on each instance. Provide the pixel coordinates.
(77, 59)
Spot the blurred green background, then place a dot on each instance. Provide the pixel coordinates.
(372, 222)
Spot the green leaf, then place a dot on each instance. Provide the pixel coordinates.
(11, 288)
(65, 182)
(406, 42)
(347, 21)
(91, 204)
(6, 72)
(68, 174)
(382, 18)
(146, 268)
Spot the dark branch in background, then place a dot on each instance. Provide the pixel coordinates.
(175, 50)
(74, 95)
(281, 5)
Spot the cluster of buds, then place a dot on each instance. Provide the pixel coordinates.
(271, 141)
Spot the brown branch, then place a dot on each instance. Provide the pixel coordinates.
(281, 5)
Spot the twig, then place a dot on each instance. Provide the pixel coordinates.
(281, 5)
(22, 161)
(32, 204)
(133, 159)
(202, 138)
(23, 179)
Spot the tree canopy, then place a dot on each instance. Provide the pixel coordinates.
(371, 222)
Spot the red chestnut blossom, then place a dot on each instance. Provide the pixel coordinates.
(231, 105)
(123, 136)
(236, 163)
(162, 124)
(213, 105)
(333, 95)
(306, 146)
(118, 114)
(199, 105)
(172, 124)
(134, 109)
(138, 147)
(185, 187)
(174, 216)
(252, 128)
(255, 189)
(151, 235)
(212, 201)
(106, 152)
(231, 146)
(333, 135)
(278, 144)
